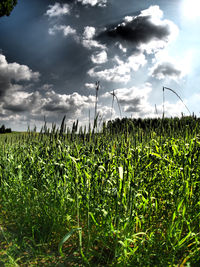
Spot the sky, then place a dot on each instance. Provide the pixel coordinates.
(53, 52)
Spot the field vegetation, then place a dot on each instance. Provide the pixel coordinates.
(128, 195)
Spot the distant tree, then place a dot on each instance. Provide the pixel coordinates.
(8, 130)
(6, 7)
(3, 129)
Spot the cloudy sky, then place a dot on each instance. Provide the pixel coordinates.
(53, 52)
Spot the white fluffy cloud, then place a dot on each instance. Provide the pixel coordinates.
(121, 72)
(172, 109)
(101, 3)
(99, 58)
(90, 85)
(87, 39)
(63, 103)
(21, 102)
(49, 104)
(134, 100)
(24, 108)
(89, 32)
(22, 105)
(92, 44)
(116, 74)
(105, 112)
(14, 72)
(170, 30)
(134, 62)
(58, 10)
(66, 30)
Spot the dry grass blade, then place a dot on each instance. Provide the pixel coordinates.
(177, 96)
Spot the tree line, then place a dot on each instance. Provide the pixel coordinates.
(3, 129)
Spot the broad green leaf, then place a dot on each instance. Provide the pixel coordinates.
(120, 172)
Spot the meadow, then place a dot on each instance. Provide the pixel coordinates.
(128, 195)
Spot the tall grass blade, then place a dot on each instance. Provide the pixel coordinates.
(65, 238)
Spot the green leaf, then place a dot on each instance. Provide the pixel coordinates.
(121, 173)
(180, 204)
(93, 218)
(156, 155)
(182, 241)
(65, 238)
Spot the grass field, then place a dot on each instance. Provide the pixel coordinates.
(127, 196)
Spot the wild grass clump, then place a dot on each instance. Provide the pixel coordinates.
(130, 198)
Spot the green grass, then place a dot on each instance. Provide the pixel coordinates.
(127, 196)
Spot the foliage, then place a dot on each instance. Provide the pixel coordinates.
(3, 129)
(6, 7)
(115, 198)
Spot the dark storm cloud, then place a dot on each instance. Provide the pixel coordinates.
(4, 85)
(165, 69)
(53, 107)
(131, 104)
(135, 101)
(142, 29)
(133, 109)
(18, 108)
(3, 115)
